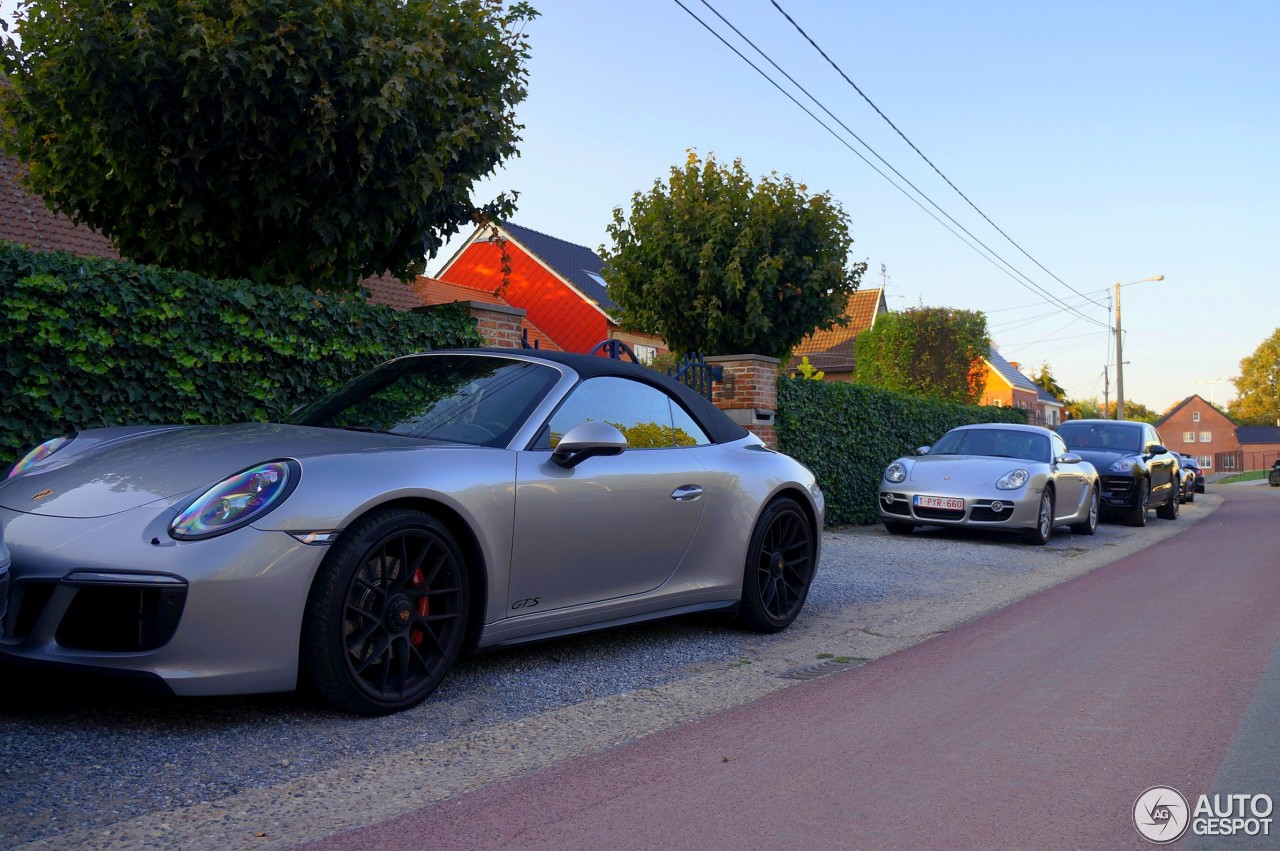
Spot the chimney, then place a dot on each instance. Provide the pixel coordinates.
(1015, 365)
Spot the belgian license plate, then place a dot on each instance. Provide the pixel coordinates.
(949, 503)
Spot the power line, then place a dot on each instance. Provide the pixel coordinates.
(1029, 285)
(841, 72)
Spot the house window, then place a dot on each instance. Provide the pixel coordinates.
(999, 403)
(1195, 416)
(645, 354)
(1229, 461)
(1206, 462)
(1053, 416)
(1206, 437)
(1188, 437)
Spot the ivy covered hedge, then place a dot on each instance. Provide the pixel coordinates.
(89, 342)
(848, 433)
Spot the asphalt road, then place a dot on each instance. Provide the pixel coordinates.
(1037, 726)
(83, 768)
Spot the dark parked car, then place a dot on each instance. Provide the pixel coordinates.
(1197, 477)
(1273, 476)
(1137, 471)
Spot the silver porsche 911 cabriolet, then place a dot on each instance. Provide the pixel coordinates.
(994, 476)
(441, 502)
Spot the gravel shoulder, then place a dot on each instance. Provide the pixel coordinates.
(86, 770)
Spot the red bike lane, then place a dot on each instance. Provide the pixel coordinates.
(1036, 726)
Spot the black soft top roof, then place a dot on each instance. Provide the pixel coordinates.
(715, 422)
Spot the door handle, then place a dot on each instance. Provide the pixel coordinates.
(686, 493)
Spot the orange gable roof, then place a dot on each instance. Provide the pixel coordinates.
(561, 311)
(833, 349)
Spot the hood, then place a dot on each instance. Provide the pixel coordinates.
(107, 471)
(938, 470)
(1101, 459)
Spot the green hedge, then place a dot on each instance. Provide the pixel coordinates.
(848, 433)
(89, 342)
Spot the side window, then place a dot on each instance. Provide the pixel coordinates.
(642, 413)
(1059, 448)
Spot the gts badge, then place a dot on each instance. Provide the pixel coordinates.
(526, 603)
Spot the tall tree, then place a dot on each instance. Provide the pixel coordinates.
(1257, 399)
(290, 141)
(717, 263)
(1045, 381)
(932, 352)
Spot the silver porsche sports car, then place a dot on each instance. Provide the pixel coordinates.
(993, 476)
(441, 502)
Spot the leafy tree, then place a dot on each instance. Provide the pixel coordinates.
(286, 141)
(716, 263)
(1045, 381)
(931, 352)
(1257, 399)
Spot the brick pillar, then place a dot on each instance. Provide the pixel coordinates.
(749, 393)
(499, 324)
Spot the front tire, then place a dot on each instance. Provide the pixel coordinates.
(1089, 525)
(779, 569)
(1169, 511)
(1043, 531)
(387, 613)
(1141, 504)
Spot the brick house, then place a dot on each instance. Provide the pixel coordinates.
(1007, 387)
(832, 351)
(557, 283)
(1194, 427)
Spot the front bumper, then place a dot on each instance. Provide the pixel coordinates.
(1118, 492)
(218, 616)
(1018, 511)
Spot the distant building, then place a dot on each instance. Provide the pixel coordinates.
(1007, 387)
(832, 351)
(1197, 428)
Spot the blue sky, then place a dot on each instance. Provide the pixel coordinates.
(1112, 141)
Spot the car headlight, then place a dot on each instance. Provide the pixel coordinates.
(1013, 480)
(895, 472)
(236, 501)
(1124, 465)
(35, 456)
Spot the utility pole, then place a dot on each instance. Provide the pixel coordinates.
(1106, 389)
(1119, 361)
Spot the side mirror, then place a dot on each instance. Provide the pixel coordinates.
(587, 440)
(923, 450)
(1156, 449)
(1068, 458)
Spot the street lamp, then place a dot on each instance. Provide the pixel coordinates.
(1120, 344)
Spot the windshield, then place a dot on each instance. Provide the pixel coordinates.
(1116, 437)
(993, 442)
(478, 400)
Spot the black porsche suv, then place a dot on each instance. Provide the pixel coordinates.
(1136, 471)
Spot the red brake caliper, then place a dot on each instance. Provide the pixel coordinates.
(424, 606)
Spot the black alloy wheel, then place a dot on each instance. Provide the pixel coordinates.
(1169, 511)
(387, 615)
(780, 566)
(1141, 503)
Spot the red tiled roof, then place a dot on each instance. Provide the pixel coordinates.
(391, 291)
(833, 349)
(26, 220)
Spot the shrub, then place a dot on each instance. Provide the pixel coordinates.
(89, 342)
